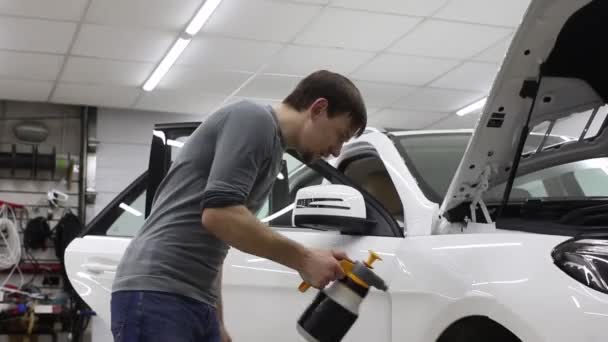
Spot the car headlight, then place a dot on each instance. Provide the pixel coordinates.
(585, 259)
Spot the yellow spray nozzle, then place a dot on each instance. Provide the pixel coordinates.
(372, 258)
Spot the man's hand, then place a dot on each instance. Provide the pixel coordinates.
(320, 267)
(224, 336)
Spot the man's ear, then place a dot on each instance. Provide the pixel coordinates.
(318, 107)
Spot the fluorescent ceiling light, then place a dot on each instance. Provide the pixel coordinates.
(175, 143)
(202, 16)
(166, 63)
(129, 209)
(195, 25)
(472, 107)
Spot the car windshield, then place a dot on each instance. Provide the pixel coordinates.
(434, 158)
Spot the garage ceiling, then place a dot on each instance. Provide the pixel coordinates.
(415, 61)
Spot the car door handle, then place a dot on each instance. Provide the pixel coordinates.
(96, 267)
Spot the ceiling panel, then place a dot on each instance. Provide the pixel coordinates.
(260, 19)
(469, 76)
(213, 53)
(207, 81)
(356, 29)
(269, 86)
(122, 43)
(178, 101)
(33, 66)
(55, 9)
(96, 95)
(25, 90)
(300, 60)
(404, 119)
(36, 35)
(438, 38)
(495, 53)
(404, 69)
(103, 71)
(381, 94)
(161, 14)
(491, 12)
(454, 121)
(440, 100)
(411, 7)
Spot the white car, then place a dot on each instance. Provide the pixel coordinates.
(463, 262)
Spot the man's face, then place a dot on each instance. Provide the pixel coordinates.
(322, 136)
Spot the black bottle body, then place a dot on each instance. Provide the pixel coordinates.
(332, 313)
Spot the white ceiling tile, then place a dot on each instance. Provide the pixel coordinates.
(35, 35)
(380, 94)
(300, 60)
(496, 53)
(469, 76)
(178, 101)
(438, 100)
(122, 43)
(491, 12)
(217, 53)
(412, 7)
(56, 9)
(103, 71)
(356, 29)
(260, 19)
(25, 90)
(410, 70)
(395, 118)
(95, 95)
(207, 81)
(438, 38)
(270, 86)
(33, 66)
(162, 14)
(454, 121)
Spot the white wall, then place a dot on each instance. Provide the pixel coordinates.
(124, 146)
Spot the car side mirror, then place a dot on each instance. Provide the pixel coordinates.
(331, 207)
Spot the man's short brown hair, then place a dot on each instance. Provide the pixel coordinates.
(341, 94)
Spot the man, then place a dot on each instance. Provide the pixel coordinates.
(168, 284)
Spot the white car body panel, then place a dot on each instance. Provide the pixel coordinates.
(434, 279)
(91, 263)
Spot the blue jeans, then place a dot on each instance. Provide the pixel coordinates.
(156, 316)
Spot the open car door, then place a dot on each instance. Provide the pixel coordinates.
(91, 258)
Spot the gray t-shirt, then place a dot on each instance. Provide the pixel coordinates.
(233, 157)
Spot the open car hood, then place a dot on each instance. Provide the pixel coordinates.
(556, 66)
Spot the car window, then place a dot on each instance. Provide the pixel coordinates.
(584, 178)
(131, 219)
(371, 174)
(433, 159)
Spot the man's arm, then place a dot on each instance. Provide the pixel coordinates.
(237, 226)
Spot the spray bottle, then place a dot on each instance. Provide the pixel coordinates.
(336, 308)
